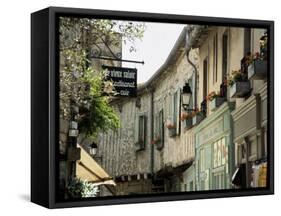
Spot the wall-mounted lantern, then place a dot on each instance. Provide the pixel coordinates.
(93, 149)
(186, 95)
(73, 131)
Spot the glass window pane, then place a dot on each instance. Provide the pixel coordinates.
(219, 153)
(223, 151)
(215, 154)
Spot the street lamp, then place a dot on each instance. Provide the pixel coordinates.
(93, 149)
(186, 95)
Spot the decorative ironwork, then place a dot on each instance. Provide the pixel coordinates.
(98, 53)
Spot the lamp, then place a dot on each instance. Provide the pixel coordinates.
(93, 149)
(186, 95)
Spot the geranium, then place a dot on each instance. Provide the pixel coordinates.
(155, 140)
(211, 96)
(236, 76)
(184, 116)
(170, 126)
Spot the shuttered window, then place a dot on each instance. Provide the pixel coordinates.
(159, 129)
(140, 132)
(176, 110)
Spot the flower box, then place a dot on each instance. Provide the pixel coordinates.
(197, 119)
(257, 70)
(156, 141)
(240, 89)
(188, 123)
(172, 132)
(159, 144)
(216, 102)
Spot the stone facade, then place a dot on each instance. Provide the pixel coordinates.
(122, 158)
(217, 59)
(157, 150)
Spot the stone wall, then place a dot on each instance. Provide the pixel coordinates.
(117, 148)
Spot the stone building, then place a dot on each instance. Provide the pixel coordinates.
(144, 156)
(162, 146)
(234, 115)
(250, 116)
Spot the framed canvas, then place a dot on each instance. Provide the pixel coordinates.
(138, 107)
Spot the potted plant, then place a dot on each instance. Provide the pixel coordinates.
(215, 100)
(78, 188)
(171, 128)
(239, 84)
(186, 117)
(197, 117)
(156, 140)
(257, 69)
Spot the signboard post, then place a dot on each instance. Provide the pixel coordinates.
(124, 80)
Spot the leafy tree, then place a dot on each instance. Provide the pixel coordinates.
(82, 83)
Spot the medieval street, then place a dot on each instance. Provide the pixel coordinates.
(139, 115)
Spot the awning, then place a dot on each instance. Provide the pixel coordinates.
(88, 169)
(239, 176)
(169, 170)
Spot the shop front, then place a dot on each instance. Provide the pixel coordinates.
(250, 138)
(213, 161)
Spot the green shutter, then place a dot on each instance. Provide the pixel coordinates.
(144, 127)
(140, 132)
(136, 132)
(177, 111)
(171, 105)
(161, 129)
(191, 84)
(175, 108)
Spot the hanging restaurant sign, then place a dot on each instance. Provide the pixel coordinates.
(124, 80)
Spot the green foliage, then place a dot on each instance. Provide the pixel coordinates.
(100, 115)
(111, 32)
(82, 83)
(78, 188)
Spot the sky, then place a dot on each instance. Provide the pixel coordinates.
(153, 49)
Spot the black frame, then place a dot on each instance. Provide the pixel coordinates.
(44, 106)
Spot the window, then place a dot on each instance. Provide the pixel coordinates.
(224, 55)
(241, 153)
(140, 132)
(220, 153)
(192, 85)
(247, 41)
(159, 129)
(215, 154)
(191, 186)
(202, 160)
(215, 59)
(219, 181)
(264, 148)
(205, 78)
(176, 110)
(252, 145)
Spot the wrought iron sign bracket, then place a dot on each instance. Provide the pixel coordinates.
(97, 54)
(116, 59)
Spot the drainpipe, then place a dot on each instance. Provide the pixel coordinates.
(192, 37)
(152, 132)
